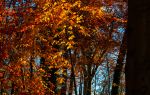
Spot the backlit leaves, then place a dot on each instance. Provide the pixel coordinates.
(50, 29)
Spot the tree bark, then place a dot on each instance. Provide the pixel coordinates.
(50, 76)
(88, 79)
(72, 78)
(71, 85)
(12, 88)
(80, 87)
(109, 80)
(64, 85)
(72, 82)
(31, 67)
(119, 66)
(87, 86)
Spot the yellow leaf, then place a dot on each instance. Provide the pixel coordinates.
(23, 62)
(71, 37)
(69, 47)
(60, 80)
(63, 0)
(60, 53)
(41, 70)
(70, 27)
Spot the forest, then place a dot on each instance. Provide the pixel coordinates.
(63, 47)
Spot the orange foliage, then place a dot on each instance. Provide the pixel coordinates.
(48, 29)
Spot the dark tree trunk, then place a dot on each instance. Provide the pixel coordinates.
(74, 81)
(71, 83)
(2, 90)
(87, 85)
(51, 76)
(87, 80)
(138, 56)
(72, 78)
(119, 66)
(64, 85)
(12, 88)
(31, 67)
(80, 87)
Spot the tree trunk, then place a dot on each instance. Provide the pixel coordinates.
(2, 90)
(119, 66)
(71, 86)
(138, 56)
(12, 88)
(72, 78)
(95, 85)
(87, 85)
(31, 67)
(80, 87)
(109, 80)
(72, 82)
(64, 85)
(50, 76)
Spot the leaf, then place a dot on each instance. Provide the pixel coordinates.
(63, 0)
(71, 37)
(60, 80)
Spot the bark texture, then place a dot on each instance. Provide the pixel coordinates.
(119, 66)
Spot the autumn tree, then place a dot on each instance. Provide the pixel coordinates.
(41, 41)
(15, 30)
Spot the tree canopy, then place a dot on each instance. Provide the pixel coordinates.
(57, 46)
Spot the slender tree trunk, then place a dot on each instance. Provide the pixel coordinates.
(71, 85)
(50, 76)
(72, 78)
(75, 86)
(88, 76)
(80, 88)
(12, 88)
(95, 85)
(2, 90)
(72, 82)
(31, 67)
(87, 85)
(64, 85)
(108, 72)
(23, 79)
(119, 66)
(89, 79)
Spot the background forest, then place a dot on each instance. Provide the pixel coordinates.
(62, 47)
